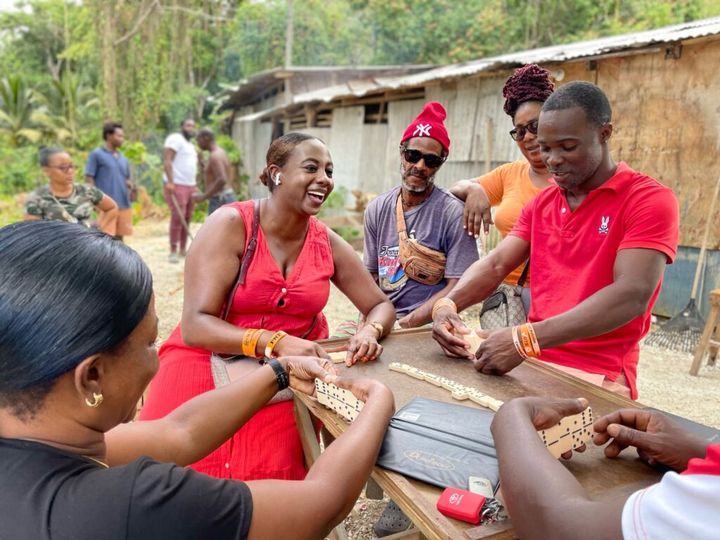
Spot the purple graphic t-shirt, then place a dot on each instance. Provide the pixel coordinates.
(436, 223)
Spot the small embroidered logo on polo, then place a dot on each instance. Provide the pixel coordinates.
(422, 130)
(604, 225)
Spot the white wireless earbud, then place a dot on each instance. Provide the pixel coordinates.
(276, 179)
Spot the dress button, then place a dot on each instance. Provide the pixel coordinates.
(283, 290)
(564, 210)
(227, 465)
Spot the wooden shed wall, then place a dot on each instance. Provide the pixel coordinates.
(667, 124)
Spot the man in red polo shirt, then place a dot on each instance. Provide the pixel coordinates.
(598, 244)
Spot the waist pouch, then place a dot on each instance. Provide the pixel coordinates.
(421, 263)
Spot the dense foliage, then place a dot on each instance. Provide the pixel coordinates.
(67, 65)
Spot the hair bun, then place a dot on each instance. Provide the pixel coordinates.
(528, 83)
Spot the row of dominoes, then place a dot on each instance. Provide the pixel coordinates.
(571, 433)
(457, 390)
(338, 399)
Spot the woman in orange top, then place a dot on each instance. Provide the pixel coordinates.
(511, 186)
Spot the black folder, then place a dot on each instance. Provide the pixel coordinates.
(440, 443)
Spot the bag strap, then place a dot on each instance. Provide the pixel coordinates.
(400, 218)
(246, 258)
(524, 275)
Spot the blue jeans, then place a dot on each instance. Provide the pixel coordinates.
(216, 201)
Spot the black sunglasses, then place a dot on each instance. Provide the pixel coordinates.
(431, 160)
(518, 134)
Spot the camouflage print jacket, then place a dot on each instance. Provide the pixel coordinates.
(76, 208)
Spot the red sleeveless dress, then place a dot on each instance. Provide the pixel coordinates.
(268, 446)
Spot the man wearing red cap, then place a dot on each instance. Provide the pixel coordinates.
(432, 218)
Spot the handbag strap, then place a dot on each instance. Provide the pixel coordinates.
(400, 218)
(246, 258)
(524, 275)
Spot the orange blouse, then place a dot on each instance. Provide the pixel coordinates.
(509, 188)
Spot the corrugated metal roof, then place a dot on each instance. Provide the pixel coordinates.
(571, 51)
(545, 55)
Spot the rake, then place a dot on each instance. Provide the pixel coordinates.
(682, 332)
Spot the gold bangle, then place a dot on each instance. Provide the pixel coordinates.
(377, 325)
(272, 342)
(441, 303)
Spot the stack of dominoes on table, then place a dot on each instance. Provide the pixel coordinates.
(338, 399)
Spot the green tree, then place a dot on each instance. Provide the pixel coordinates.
(23, 115)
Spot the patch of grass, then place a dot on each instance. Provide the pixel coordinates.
(11, 210)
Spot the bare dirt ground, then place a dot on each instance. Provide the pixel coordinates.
(664, 381)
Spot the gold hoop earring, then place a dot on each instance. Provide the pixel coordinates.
(96, 400)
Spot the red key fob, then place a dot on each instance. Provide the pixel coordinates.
(461, 504)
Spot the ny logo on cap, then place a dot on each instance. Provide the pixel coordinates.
(422, 130)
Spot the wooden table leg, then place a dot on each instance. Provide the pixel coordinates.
(705, 339)
(311, 449)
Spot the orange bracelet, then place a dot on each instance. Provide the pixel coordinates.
(250, 340)
(516, 341)
(533, 338)
(528, 340)
(272, 342)
(441, 303)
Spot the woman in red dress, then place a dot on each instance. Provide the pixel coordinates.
(286, 286)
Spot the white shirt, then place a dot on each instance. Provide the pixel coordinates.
(184, 164)
(683, 506)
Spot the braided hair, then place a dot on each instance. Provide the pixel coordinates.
(528, 83)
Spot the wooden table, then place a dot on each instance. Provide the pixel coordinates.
(600, 476)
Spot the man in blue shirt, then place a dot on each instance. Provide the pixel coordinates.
(108, 169)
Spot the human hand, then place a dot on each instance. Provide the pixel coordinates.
(543, 413)
(303, 370)
(446, 329)
(497, 354)
(476, 213)
(406, 321)
(168, 188)
(657, 438)
(198, 197)
(363, 389)
(363, 346)
(295, 346)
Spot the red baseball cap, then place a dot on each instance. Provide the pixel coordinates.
(429, 123)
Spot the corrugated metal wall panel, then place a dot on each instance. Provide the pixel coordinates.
(345, 141)
(371, 153)
(677, 284)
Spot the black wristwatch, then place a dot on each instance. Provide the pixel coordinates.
(283, 380)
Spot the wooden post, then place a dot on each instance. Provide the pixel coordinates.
(707, 332)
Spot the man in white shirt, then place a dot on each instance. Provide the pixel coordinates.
(180, 162)
(546, 501)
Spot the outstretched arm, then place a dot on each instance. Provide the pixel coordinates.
(311, 508)
(476, 284)
(543, 498)
(637, 273)
(200, 425)
(355, 282)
